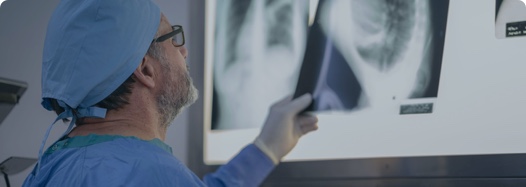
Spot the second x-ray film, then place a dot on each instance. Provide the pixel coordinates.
(365, 54)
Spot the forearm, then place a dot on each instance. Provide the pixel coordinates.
(248, 168)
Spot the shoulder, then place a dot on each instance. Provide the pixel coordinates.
(151, 170)
(123, 162)
(136, 163)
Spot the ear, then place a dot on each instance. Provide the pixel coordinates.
(145, 73)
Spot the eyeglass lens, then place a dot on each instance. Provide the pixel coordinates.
(178, 39)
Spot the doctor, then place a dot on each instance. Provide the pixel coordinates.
(116, 69)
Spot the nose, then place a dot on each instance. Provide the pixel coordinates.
(183, 51)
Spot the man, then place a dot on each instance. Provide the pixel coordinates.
(117, 69)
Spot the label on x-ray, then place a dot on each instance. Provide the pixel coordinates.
(421, 108)
(516, 29)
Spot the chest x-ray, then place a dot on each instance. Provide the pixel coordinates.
(258, 50)
(357, 54)
(365, 54)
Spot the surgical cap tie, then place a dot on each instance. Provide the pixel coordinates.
(93, 112)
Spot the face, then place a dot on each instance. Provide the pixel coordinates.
(176, 90)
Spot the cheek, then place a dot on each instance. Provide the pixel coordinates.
(176, 57)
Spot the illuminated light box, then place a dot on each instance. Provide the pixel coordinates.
(390, 78)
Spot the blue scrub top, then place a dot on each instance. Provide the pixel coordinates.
(108, 160)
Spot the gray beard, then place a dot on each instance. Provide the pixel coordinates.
(178, 92)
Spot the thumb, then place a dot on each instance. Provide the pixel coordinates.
(300, 103)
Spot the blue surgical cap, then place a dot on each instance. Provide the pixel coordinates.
(92, 47)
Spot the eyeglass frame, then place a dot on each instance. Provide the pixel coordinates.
(176, 29)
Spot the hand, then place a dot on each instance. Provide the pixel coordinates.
(284, 127)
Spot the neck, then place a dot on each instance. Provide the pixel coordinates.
(143, 124)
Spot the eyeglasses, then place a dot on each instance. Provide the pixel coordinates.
(177, 36)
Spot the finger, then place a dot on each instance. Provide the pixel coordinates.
(298, 104)
(307, 119)
(284, 100)
(309, 128)
(307, 123)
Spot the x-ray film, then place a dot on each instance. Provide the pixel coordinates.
(510, 18)
(364, 54)
(258, 49)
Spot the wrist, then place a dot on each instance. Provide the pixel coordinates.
(265, 149)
